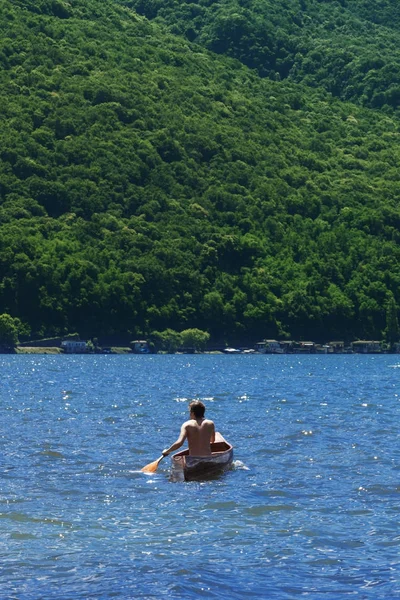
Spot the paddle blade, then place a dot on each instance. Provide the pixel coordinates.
(152, 467)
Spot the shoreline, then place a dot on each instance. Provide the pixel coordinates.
(118, 350)
(57, 350)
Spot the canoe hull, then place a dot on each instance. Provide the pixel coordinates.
(189, 468)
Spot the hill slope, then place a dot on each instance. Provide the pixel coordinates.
(147, 183)
(350, 48)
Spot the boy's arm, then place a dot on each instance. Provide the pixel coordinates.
(179, 442)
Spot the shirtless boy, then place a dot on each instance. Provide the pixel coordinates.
(198, 431)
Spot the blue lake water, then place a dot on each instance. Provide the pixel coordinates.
(310, 509)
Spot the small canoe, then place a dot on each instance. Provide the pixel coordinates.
(189, 468)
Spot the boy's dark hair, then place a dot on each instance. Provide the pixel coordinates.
(197, 408)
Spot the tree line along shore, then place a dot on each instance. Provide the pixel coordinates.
(264, 347)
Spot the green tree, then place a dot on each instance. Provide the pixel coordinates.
(8, 331)
(195, 338)
(168, 340)
(392, 331)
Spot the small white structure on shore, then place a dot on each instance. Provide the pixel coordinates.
(74, 346)
(140, 347)
(269, 347)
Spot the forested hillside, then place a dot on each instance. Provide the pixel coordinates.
(348, 47)
(149, 179)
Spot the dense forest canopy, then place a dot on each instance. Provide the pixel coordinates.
(348, 47)
(228, 166)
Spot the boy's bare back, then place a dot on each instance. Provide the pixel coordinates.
(200, 433)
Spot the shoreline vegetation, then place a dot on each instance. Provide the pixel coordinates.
(186, 342)
(192, 341)
(122, 350)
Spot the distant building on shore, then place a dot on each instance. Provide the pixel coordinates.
(269, 347)
(366, 347)
(74, 346)
(306, 348)
(140, 347)
(336, 347)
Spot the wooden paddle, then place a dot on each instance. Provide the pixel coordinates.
(152, 467)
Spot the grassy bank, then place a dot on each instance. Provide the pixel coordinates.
(37, 350)
(58, 350)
